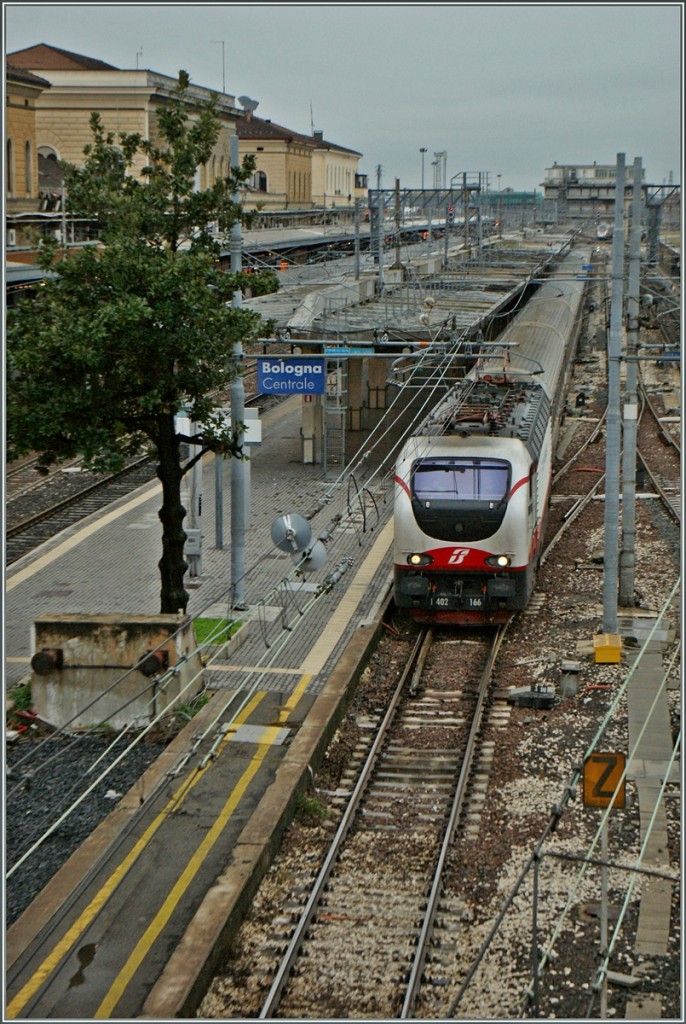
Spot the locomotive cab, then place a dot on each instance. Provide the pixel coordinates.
(460, 499)
(463, 529)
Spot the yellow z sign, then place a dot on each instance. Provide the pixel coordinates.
(604, 780)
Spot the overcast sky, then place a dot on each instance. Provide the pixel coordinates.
(503, 88)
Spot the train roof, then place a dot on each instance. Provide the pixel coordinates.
(493, 406)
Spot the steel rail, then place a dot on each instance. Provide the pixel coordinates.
(419, 961)
(40, 517)
(418, 653)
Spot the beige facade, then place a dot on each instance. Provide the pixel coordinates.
(22, 91)
(283, 165)
(334, 174)
(297, 172)
(127, 101)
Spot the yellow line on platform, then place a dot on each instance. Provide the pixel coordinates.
(66, 943)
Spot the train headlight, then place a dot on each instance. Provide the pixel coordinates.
(417, 559)
(499, 561)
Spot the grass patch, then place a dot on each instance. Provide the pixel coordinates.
(309, 808)
(21, 697)
(185, 712)
(215, 631)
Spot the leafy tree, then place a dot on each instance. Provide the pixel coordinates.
(130, 331)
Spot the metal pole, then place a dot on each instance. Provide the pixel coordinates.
(380, 227)
(195, 505)
(627, 559)
(534, 943)
(397, 223)
(238, 474)
(614, 355)
(465, 198)
(219, 502)
(603, 917)
(357, 239)
(423, 151)
(500, 210)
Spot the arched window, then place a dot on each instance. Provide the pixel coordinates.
(260, 181)
(28, 167)
(48, 152)
(9, 180)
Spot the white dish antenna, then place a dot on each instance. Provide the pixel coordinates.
(291, 532)
(312, 558)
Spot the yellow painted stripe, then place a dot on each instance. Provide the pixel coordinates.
(195, 863)
(294, 698)
(52, 962)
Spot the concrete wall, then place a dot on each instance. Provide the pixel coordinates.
(93, 679)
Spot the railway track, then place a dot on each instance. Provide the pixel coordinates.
(40, 507)
(354, 935)
(53, 514)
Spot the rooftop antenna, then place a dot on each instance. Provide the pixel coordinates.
(221, 41)
(139, 53)
(311, 119)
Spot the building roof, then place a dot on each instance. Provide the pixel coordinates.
(15, 74)
(52, 58)
(256, 128)
(321, 143)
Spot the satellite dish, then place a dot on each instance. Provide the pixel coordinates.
(311, 559)
(429, 301)
(248, 104)
(291, 532)
(424, 318)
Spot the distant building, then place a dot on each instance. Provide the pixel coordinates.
(296, 171)
(283, 175)
(335, 174)
(584, 191)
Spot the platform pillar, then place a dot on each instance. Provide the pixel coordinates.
(312, 429)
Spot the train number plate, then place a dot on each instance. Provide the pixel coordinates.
(451, 602)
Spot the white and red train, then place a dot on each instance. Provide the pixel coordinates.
(472, 487)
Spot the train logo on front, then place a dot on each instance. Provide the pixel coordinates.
(458, 556)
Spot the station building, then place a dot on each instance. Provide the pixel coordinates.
(57, 91)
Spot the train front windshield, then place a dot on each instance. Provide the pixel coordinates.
(461, 499)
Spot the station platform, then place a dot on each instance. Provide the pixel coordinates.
(278, 690)
(107, 564)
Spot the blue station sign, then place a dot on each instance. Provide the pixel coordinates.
(291, 375)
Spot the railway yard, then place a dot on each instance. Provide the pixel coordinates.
(370, 818)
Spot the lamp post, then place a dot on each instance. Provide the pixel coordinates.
(500, 209)
(423, 150)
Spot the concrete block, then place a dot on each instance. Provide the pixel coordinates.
(88, 670)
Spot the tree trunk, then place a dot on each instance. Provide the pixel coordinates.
(172, 565)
